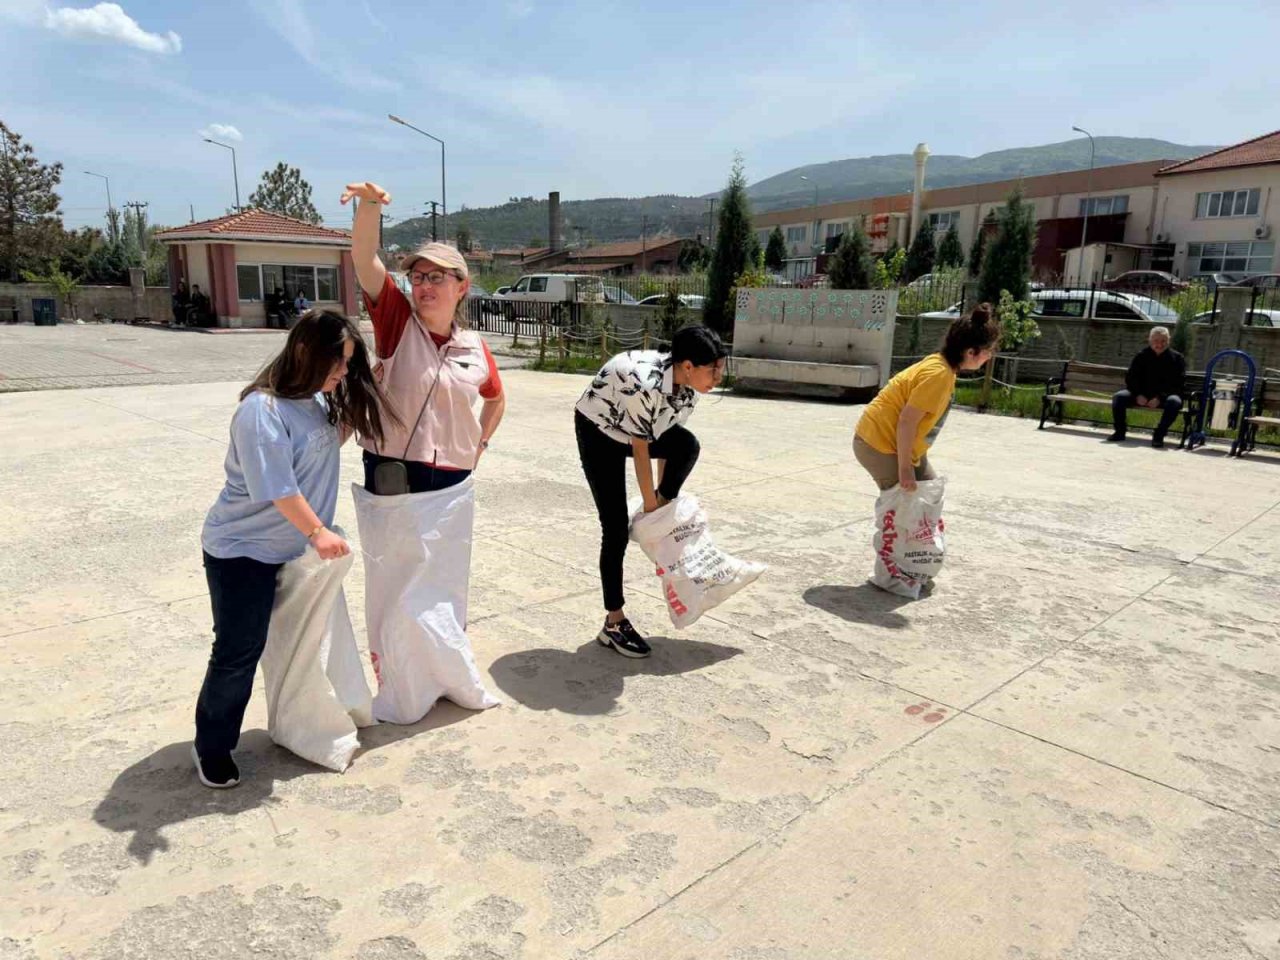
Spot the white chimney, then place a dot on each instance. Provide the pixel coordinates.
(921, 154)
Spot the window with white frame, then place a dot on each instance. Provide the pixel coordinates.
(797, 234)
(1242, 257)
(248, 281)
(836, 229)
(941, 222)
(1101, 206)
(1227, 203)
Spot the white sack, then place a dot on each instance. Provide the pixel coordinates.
(316, 691)
(696, 574)
(417, 562)
(908, 541)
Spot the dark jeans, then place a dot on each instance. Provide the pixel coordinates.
(242, 592)
(1123, 400)
(604, 462)
(423, 478)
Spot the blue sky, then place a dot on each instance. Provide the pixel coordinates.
(598, 98)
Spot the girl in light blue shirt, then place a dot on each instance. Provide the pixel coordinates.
(279, 500)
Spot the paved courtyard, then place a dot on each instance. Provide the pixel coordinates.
(1071, 749)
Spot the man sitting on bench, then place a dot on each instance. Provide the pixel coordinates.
(1154, 381)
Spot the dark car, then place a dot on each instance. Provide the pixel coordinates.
(1148, 282)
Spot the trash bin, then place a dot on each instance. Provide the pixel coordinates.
(44, 310)
(1225, 399)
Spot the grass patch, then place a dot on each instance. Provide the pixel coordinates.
(587, 365)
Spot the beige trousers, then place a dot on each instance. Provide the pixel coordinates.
(883, 467)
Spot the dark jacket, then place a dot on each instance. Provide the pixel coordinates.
(1156, 375)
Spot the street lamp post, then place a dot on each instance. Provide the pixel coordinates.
(111, 224)
(1088, 196)
(235, 171)
(444, 197)
(815, 211)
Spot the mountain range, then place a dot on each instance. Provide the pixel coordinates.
(523, 221)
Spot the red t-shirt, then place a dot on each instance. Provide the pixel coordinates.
(390, 316)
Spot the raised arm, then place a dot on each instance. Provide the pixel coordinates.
(364, 239)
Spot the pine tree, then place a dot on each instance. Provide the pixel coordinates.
(950, 253)
(921, 255)
(850, 267)
(732, 253)
(980, 245)
(30, 224)
(1007, 264)
(462, 237)
(283, 191)
(775, 254)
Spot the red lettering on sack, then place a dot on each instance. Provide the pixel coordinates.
(887, 539)
(377, 668)
(674, 599)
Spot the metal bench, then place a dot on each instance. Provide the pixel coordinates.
(1095, 383)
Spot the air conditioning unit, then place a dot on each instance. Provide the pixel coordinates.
(1262, 232)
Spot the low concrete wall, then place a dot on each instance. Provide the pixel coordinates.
(112, 301)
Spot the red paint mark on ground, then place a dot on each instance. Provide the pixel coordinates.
(127, 363)
(933, 717)
(917, 708)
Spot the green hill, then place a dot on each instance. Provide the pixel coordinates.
(523, 222)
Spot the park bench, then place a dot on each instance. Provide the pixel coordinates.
(1095, 383)
(1265, 413)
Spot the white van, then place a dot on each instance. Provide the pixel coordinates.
(1087, 304)
(557, 288)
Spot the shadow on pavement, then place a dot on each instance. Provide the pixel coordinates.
(590, 680)
(864, 603)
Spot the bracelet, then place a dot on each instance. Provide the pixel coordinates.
(484, 444)
(315, 531)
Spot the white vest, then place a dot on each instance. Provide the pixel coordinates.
(449, 433)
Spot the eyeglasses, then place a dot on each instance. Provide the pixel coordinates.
(433, 277)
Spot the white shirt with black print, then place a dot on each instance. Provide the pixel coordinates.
(634, 397)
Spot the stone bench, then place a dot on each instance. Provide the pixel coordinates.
(847, 375)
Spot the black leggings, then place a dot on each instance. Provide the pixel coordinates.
(423, 478)
(604, 462)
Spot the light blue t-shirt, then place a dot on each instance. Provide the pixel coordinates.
(279, 448)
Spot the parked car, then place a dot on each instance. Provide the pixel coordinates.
(1146, 281)
(1262, 281)
(813, 280)
(1087, 304)
(1216, 280)
(1253, 318)
(475, 290)
(615, 294)
(557, 288)
(502, 291)
(691, 300)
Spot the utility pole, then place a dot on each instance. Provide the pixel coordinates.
(192, 206)
(644, 242)
(381, 220)
(710, 221)
(434, 205)
(141, 223)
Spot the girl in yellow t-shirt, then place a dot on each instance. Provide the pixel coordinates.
(892, 439)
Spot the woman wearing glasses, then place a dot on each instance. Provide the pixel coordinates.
(417, 506)
(431, 369)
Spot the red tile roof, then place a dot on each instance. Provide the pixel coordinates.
(625, 248)
(257, 225)
(1252, 153)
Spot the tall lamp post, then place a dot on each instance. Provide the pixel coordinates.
(444, 197)
(1088, 195)
(235, 172)
(111, 220)
(816, 241)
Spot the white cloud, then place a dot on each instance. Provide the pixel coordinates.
(520, 8)
(289, 20)
(108, 21)
(222, 131)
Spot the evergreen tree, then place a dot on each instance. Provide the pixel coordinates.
(283, 191)
(921, 255)
(1007, 264)
(980, 245)
(462, 238)
(775, 254)
(733, 251)
(950, 253)
(850, 266)
(30, 224)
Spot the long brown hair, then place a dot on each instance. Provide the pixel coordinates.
(976, 330)
(314, 346)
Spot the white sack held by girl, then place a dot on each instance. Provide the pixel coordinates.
(316, 691)
(417, 561)
(908, 541)
(696, 574)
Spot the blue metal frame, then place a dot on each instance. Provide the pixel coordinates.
(1198, 438)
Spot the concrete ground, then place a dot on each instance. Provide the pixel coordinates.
(1071, 749)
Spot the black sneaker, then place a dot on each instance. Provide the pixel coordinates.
(1116, 438)
(622, 636)
(219, 772)
(1158, 442)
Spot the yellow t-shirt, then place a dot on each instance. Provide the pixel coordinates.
(928, 386)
